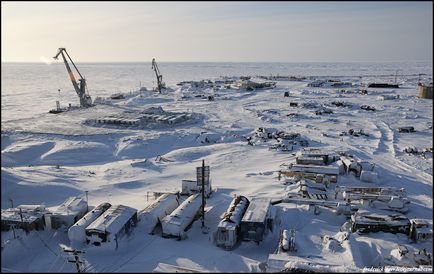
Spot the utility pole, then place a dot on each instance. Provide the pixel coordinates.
(87, 201)
(203, 193)
(13, 229)
(21, 215)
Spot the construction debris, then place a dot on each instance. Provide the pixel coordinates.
(367, 107)
(408, 129)
(352, 132)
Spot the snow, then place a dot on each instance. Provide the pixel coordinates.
(47, 158)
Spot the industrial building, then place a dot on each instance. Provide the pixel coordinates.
(26, 217)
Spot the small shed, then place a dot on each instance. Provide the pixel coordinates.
(68, 213)
(111, 225)
(26, 217)
(189, 187)
(256, 220)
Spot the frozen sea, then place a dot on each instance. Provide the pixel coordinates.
(29, 89)
(48, 158)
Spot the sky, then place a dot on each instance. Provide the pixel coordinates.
(218, 31)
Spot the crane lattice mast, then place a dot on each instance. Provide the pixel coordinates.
(160, 83)
(80, 88)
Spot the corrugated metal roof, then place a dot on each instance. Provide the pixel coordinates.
(113, 219)
(257, 210)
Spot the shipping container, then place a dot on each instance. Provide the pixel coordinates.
(257, 220)
(228, 229)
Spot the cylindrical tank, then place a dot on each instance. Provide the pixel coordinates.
(425, 92)
(77, 232)
(174, 224)
(157, 210)
(237, 209)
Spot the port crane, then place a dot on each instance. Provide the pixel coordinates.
(160, 83)
(80, 88)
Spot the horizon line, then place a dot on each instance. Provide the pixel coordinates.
(270, 62)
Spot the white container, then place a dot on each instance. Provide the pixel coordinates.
(151, 215)
(228, 228)
(77, 232)
(174, 224)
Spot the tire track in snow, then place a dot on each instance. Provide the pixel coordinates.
(386, 143)
(395, 164)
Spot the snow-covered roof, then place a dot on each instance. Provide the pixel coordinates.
(29, 213)
(315, 169)
(157, 203)
(113, 219)
(379, 217)
(257, 210)
(421, 222)
(182, 216)
(72, 206)
(92, 215)
(312, 152)
(235, 212)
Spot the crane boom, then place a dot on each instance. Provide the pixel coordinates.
(160, 83)
(80, 88)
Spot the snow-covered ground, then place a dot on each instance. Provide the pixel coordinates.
(48, 158)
